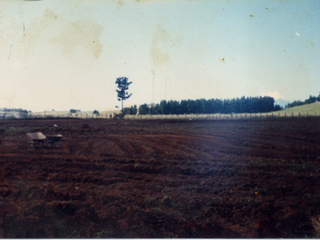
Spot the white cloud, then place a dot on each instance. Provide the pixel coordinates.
(297, 34)
(276, 95)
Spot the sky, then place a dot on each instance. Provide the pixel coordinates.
(67, 54)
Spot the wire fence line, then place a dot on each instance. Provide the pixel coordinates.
(217, 116)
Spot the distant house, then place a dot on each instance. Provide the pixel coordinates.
(13, 113)
(21, 114)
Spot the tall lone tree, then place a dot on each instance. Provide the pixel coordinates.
(123, 86)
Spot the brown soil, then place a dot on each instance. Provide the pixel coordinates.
(160, 178)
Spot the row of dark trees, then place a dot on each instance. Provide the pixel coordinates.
(13, 110)
(311, 99)
(74, 110)
(131, 110)
(203, 106)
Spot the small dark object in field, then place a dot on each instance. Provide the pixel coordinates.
(36, 139)
(85, 126)
(53, 139)
(73, 146)
(166, 201)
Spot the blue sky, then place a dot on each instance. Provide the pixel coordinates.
(67, 54)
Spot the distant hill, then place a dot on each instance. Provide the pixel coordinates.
(303, 109)
(281, 102)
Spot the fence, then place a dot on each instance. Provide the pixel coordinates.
(219, 116)
(216, 116)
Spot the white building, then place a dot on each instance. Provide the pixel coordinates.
(21, 114)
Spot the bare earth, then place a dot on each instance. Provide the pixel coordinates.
(160, 178)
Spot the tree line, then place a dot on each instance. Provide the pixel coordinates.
(309, 100)
(13, 110)
(211, 106)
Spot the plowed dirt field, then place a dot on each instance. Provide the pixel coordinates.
(160, 178)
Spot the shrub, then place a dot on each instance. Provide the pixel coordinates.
(316, 225)
(166, 201)
(73, 146)
(150, 200)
